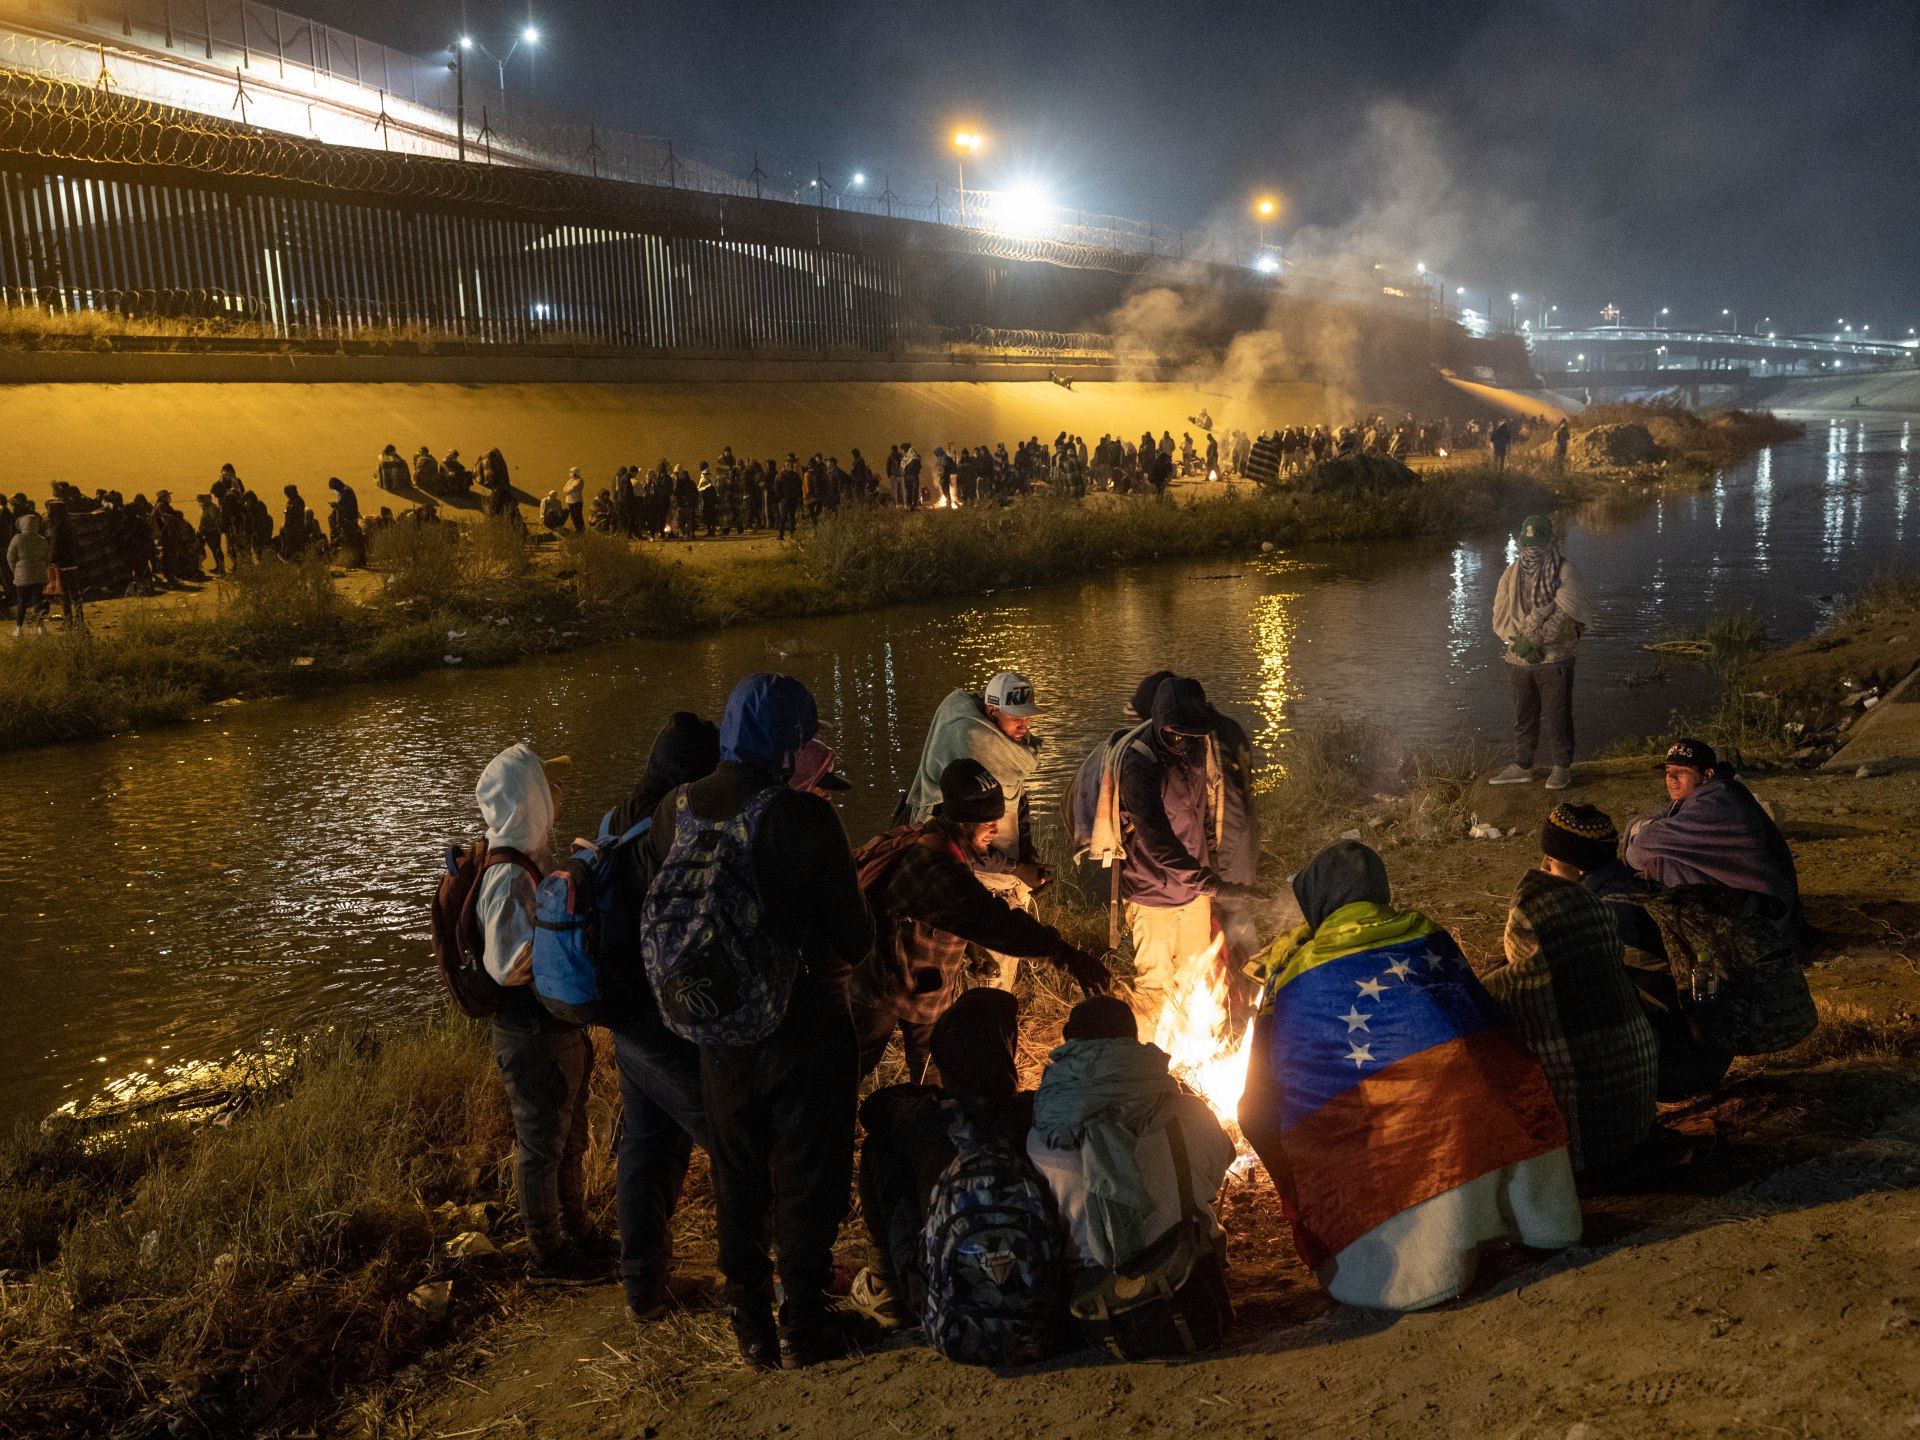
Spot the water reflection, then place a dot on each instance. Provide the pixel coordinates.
(173, 897)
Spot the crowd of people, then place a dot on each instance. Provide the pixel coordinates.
(107, 543)
(753, 967)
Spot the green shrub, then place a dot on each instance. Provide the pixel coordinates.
(419, 561)
(493, 552)
(281, 598)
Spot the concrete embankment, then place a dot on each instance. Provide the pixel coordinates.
(140, 438)
(1898, 391)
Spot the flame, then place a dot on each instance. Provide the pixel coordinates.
(1196, 1030)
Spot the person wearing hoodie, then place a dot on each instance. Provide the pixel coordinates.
(1167, 878)
(909, 1143)
(928, 905)
(545, 1063)
(1100, 1137)
(910, 476)
(781, 1111)
(661, 1114)
(994, 727)
(1540, 611)
(28, 555)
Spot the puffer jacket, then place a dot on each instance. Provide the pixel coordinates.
(28, 552)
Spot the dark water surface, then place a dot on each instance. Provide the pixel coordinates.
(172, 899)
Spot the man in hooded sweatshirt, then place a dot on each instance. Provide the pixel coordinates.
(994, 727)
(544, 1062)
(781, 1111)
(662, 1116)
(1168, 879)
(1540, 611)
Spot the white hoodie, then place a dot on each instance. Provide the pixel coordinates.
(517, 804)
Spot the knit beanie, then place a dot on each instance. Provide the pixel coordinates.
(969, 794)
(1536, 530)
(1581, 836)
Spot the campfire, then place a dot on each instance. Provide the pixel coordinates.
(1197, 1030)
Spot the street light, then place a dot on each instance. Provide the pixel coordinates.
(966, 142)
(858, 179)
(459, 68)
(1736, 318)
(1266, 208)
(528, 36)
(1663, 317)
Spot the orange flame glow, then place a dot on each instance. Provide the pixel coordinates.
(1196, 1030)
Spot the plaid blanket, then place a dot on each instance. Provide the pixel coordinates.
(1565, 987)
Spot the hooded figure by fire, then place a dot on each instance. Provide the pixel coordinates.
(1402, 1120)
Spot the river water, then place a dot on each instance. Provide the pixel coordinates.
(178, 898)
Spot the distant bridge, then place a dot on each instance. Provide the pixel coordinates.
(1617, 357)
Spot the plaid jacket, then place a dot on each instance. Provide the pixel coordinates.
(927, 905)
(1566, 989)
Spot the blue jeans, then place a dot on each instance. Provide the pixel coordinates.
(661, 1120)
(546, 1074)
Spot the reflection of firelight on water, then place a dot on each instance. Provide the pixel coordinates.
(1196, 1030)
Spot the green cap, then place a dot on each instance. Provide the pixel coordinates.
(1536, 530)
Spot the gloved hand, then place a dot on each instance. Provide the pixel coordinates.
(1088, 973)
(1035, 876)
(1526, 649)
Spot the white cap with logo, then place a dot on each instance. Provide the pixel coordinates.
(1012, 694)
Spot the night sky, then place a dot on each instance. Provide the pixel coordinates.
(1753, 154)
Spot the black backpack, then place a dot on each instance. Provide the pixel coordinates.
(1170, 1299)
(458, 946)
(1740, 980)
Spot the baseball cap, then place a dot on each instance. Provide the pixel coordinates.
(1141, 705)
(556, 768)
(1012, 694)
(1696, 753)
(1536, 530)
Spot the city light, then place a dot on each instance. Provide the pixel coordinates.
(858, 179)
(530, 35)
(466, 42)
(1419, 267)
(1023, 210)
(1265, 209)
(969, 141)
(1267, 264)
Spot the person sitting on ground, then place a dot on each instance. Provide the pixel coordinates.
(993, 726)
(1565, 989)
(1578, 842)
(426, 472)
(1100, 1137)
(553, 514)
(909, 1143)
(1409, 1131)
(1715, 833)
(391, 473)
(928, 904)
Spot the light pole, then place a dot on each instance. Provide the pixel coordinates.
(1264, 208)
(528, 36)
(1513, 303)
(1663, 317)
(460, 48)
(1736, 318)
(966, 142)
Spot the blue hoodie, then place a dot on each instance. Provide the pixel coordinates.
(768, 718)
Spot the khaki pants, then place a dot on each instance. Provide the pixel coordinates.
(1164, 939)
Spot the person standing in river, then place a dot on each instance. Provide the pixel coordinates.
(1540, 611)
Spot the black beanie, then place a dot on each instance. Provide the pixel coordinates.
(1581, 836)
(1102, 1017)
(969, 795)
(973, 1044)
(1141, 706)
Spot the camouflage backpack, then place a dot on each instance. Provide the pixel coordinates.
(722, 975)
(1740, 980)
(995, 1255)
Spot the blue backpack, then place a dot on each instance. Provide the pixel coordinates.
(569, 913)
(995, 1255)
(720, 973)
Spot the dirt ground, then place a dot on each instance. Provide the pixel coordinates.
(1767, 1281)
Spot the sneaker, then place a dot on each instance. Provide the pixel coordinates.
(568, 1265)
(1513, 775)
(874, 1298)
(1560, 778)
(822, 1336)
(759, 1341)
